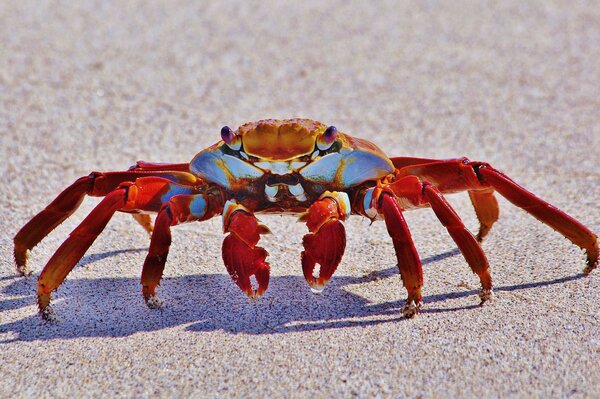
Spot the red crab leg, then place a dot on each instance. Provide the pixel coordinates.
(157, 166)
(326, 241)
(570, 228)
(180, 209)
(67, 202)
(463, 238)
(145, 194)
(436, 171)
(486, 208)
(241, 256)
(409, 262)
(462, 174)
(414, 192)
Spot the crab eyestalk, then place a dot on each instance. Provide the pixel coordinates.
(227, 134)
(327, 138)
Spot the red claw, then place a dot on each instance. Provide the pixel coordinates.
(326, 248)
(242, 257)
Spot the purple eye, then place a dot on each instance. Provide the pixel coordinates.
(330, 134)
(227, 134)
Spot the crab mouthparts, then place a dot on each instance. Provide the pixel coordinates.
(281, 186)
(283, 190)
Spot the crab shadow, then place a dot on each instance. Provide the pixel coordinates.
(113, 307)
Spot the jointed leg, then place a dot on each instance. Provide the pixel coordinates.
(67, 255)
(467, 244)
(478, 177)
(158, 166)
(179, 209)
(145, 194)
(454, 175)
(326, 241)
(576, 232)
(409, 263)
(67, 202)
(486, 208)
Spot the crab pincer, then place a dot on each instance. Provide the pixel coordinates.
(326, 242)
(242, 258)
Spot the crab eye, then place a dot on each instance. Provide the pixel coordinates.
(330, 134)
(227, 134)
(326, 140)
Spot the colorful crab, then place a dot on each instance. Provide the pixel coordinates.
(293, 166)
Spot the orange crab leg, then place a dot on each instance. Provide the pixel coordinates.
(478, 177)
(326, 241)
(486, 208)
(241, 256)
(145, 194)
(67, 202)
(179, 209)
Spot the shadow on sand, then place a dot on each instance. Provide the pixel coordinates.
(113, 307)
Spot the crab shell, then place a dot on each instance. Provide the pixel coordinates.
(281, 165)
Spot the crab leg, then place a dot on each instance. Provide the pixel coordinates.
(326, 241)
(463, 238)
(409, 262)
(438, 172)
(241, 256)
(410, 192)
(67, 202)
(486, 208)
(179, 209)
(462, 174)
(157, 166)
(145, 194)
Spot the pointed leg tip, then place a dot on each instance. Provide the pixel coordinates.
(24, 270)
(46, 311)
(154, 302)
(592, 263)
(48, 315)
(318, 285)
(253, 295)
(21, 262)
(411, 309)
(485, 295)
(588, 269)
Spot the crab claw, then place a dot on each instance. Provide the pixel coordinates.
(242, 257)
(326, 248)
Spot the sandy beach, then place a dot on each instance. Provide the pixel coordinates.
(98, 86)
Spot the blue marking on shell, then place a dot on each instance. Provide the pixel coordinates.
(174, 190)
(214, 166)
(240, 169)
(367, 199)
(360, 166)
(323, 169)
(198, 206)
(348, 169)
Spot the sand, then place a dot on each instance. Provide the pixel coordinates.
(100, 85)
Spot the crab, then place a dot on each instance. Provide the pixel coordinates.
(298, 167)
